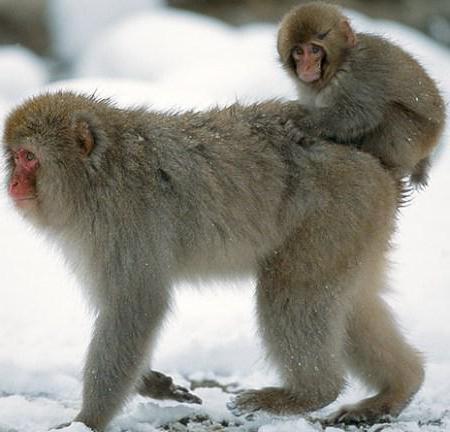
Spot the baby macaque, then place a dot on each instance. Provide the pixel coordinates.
(361, 89)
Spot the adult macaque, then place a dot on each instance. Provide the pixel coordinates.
(361, 89)
(140, 200)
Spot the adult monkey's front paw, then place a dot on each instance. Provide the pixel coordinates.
(61, 426)
(159, 386)
(66, 425)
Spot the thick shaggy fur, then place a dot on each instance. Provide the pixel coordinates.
(167, 197)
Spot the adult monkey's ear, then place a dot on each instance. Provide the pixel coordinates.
(348, 33)
(84, 132)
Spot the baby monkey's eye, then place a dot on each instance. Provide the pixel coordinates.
(316, 49)
(297, 52)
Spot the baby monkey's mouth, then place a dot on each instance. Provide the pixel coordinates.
(310, 77)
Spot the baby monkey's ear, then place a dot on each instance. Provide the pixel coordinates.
(348, 33)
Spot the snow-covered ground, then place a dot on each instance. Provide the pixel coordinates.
(164, 59)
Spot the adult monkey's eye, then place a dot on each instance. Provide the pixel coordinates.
(30, 156)
(316, 49)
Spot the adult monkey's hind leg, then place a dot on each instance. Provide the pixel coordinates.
(379, 354)
(302, 319)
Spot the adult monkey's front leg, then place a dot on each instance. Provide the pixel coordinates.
(124, 332)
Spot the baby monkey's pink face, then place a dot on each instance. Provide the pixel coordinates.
(22, 185)
(308, 58)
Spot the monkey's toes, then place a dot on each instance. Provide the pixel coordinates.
(274, 400)
(349, 415)
(248, 402)
(239, 411)
(232, 407)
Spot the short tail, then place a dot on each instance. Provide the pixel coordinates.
(419, 177)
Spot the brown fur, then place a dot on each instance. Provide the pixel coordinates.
(374, 96)
(168, 197)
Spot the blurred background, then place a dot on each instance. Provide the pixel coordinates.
(31, 23)
(46, 41)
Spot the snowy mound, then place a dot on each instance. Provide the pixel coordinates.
(22, 72)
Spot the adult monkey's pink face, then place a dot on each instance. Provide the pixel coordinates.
(22, 183)
(46, 159)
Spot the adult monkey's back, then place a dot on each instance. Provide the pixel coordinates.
(140, 200)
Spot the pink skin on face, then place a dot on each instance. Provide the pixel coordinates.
(308, 60)
(22, 186)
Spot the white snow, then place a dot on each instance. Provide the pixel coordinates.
(21, 73)
(164, 59)
(75, 24)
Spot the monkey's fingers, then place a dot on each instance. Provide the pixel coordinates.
(64, 425)
(61, 426)
(294, 133)
(159, 386)
(299, 133)
(182, 394)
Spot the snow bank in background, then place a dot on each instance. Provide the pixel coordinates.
(75, 23)
(190, 54)
(147, 45)
(187, 61)
(22, 72)
(176, 45)
(198, 62)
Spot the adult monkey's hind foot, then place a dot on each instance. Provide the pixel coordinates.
(275, 400)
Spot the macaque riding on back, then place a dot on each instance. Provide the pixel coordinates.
(361, 90)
